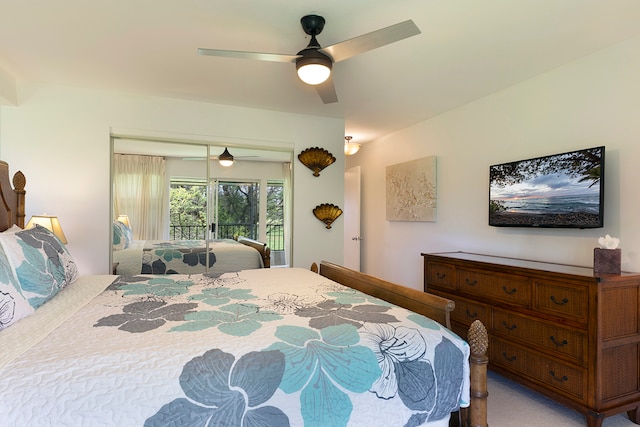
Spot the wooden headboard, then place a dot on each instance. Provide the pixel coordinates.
(11, 198)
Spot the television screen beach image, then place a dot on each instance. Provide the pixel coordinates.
(562, 190)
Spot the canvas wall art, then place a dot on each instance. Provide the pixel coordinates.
(411, 190)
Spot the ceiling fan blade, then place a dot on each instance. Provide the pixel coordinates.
(261, 56)
(375, 39)
(327, 91)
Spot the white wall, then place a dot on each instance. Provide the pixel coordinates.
(59, 138)
(593, 101)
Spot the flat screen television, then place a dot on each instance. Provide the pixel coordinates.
(562, 190)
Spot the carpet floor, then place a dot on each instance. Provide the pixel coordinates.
(511, 405)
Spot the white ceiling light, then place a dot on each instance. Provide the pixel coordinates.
(350, 148)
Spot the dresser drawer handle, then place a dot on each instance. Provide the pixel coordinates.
(441, 276)
(472, 315)
(470, 282)
(558, 343)
(560, 379)
(561, 302)
(511, 328)
(510, 359)
(509, 292)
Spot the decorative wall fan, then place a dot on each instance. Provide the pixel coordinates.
(314, 62)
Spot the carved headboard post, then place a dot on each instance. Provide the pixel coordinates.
(19, 182)
(12, 198)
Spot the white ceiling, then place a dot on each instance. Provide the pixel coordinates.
(467, 50)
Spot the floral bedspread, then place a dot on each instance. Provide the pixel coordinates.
(185, 257)
(268, 347)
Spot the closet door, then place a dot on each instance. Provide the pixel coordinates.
(155, 184)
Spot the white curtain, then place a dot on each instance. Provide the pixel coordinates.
(139, 191)
(286, 190)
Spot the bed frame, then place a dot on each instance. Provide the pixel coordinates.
(265, 251)
(438, 309)
(12, 211)
(12, 198)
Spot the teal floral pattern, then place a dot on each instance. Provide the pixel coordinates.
(158, 258)
(328, 313)
(144, 316)
(122, 236)
(233, 319)
(212, 382)
(13, 304)
(326, 349)
(320, 364)
(158, 286)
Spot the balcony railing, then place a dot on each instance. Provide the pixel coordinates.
(275, 233)
(187, 232)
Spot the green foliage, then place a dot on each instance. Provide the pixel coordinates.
(584, 164)
(188, 205)
(496, 206)
(275, 204)
(238, 210)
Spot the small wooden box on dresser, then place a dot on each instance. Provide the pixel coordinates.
(555, 328)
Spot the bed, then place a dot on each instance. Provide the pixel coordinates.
(131, 257)
(287, 346)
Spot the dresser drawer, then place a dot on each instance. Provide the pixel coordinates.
(560, 376)
(467, 311)
(441, 275)
(566, 342)
(512, 289)
(562, 299)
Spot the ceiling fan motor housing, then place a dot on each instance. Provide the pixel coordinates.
(313, 56)
(312, 24)
(313, 66)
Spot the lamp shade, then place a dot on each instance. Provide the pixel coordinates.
(350, 148)
(49, 222)
(225, 159)
(125, 220)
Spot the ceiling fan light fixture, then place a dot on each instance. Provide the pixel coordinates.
(313, 67)
(225, 159)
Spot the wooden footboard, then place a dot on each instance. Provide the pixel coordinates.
(265, 251)
(438, 309)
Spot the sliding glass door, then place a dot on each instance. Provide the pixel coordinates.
(235, 209)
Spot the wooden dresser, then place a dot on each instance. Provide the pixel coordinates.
(555, 328)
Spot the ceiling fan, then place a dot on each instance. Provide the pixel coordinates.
(314, 63)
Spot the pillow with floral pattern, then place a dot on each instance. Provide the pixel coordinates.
(122, 236)
(40, 262)
(13, 304)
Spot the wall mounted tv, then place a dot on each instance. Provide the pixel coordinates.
(562, 190)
